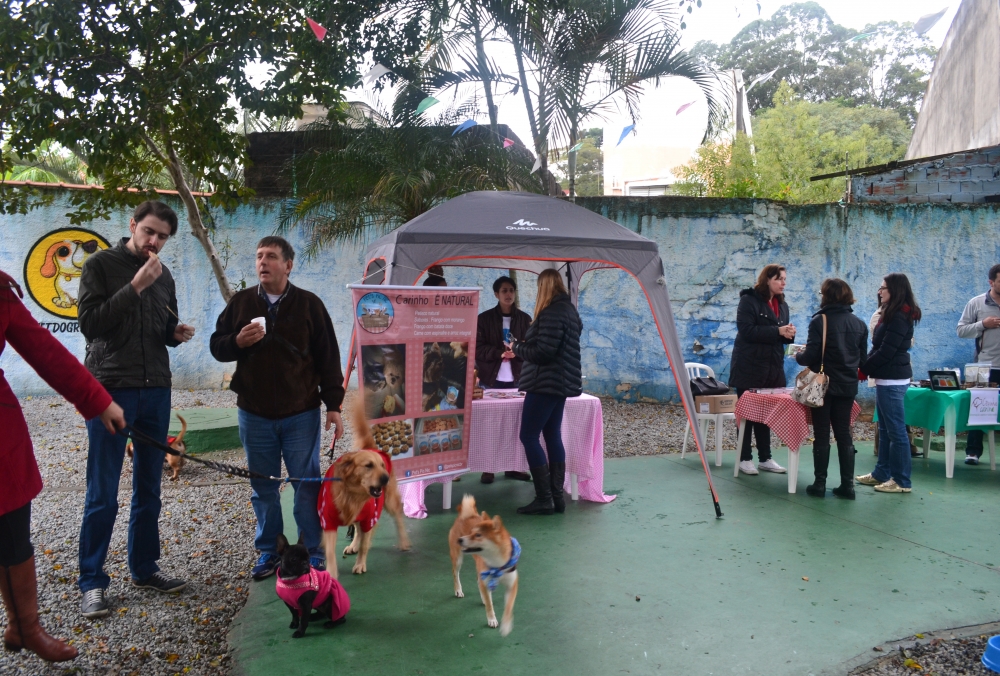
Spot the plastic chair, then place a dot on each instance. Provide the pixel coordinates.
(695, 370)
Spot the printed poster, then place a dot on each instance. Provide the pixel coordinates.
(416, 357)
(983, 406)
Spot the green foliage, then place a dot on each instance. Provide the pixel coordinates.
(794, 140)
(818, 58)
(589, 164)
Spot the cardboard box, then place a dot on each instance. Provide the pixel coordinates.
(717, 403)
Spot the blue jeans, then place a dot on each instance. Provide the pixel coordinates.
(148, 410)
(266, 441)
(542, 414)
(894, 444)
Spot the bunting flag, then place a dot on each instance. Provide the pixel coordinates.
(577, 147)
(538, 164)
(625, 132)
(683, 108)
(861, 36)
(762, 79)
(317, 30)
(928, 21)
(427, 103)
(468, 124)
(377, 71)
(507, 143)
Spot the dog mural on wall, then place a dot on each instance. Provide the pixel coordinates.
(54, 265)
(64, 262)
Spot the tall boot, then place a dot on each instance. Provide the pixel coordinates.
(542, 504)
(846, 488)
(821, 461)
(20, 596)
(557, 470)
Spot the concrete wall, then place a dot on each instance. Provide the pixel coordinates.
(962, 178)
(711, 248)
(961, 109)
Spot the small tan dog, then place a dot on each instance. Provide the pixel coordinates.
(176, 462)
(496, 555)
(366, 485)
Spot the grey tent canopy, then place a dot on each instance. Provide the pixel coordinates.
(530, 232)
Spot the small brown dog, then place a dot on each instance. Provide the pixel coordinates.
(176, 462)
(496, 554)
(366, 485)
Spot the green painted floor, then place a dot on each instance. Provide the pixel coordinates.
(714, 596)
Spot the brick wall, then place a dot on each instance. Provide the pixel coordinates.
(962, 178)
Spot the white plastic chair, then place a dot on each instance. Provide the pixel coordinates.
(695, 370)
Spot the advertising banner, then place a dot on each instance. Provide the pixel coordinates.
(416, 356)
(983, 406)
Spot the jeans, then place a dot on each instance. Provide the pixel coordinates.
(974, 443)
(761, 432)
(542, 414)
(894, 444)
(266, 441)
(148, 410)
(835, 412)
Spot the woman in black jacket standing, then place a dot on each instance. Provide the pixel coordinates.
(762, 331)
(551, 373)
(889, 364)
(845, 353)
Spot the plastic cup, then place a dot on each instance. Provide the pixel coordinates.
(262, 321)
(991, 656)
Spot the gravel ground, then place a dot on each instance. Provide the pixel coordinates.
(938, 657)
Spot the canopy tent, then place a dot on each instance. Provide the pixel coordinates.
(530, 232)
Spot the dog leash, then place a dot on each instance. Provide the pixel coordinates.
(217, 466)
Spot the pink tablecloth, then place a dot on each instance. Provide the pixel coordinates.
(789, 419)
(494, 447)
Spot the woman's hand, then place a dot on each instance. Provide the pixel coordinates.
(787, 331)
(113, 418)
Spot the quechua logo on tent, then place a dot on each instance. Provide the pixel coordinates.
(522, 224)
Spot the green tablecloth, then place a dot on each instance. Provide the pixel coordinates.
(924, 407)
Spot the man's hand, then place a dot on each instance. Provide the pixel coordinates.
(183, 333)
(991, 322)
(333, 418)
(251, 334)
(113, 418)
(508, 355)
(147, 274)
(787, 331)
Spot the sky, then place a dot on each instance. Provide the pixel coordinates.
(718, 21)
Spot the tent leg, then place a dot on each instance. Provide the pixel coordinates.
(574, 487)
(446, 495)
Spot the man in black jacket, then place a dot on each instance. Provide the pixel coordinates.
(128, 314)
(287, 364)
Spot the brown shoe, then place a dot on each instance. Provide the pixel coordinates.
(520, 476)
(486, 478)
(20, 596)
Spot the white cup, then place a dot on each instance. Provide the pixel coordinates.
(262, 321)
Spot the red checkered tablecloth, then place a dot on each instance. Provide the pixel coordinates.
(788, 419)
(494, 447)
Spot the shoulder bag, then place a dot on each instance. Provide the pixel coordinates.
(810, 388)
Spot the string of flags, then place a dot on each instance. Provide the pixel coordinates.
(468, 124)
(317, 30)
(860, 36)
(928, 21)
(625, 132)
(577, 147)
(761, 79)
(427, 103)
(683, 108)
(507, 143)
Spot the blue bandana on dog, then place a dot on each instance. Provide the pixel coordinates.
(491, 576)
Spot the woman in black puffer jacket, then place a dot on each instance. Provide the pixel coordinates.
(846, 352)
(551, 373)
(762, 331)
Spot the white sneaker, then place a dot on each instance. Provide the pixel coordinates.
(770, 466)
(746, 466)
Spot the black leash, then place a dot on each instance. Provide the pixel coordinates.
(211, 464)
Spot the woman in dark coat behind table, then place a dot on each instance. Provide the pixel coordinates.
(551, 373)
(20, 480)
(889, 364)
(762, 331)
(846, 352)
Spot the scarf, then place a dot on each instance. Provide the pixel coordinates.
(491, 576)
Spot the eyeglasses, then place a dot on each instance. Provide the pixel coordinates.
(883, 288)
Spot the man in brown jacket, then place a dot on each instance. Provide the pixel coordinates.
(287, 364)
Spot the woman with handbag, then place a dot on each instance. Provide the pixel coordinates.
(889, 364)
(762, 331)
(837, 347)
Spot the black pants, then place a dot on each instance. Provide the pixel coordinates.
(835, 412)
(974, 443)
(15, 537)
(761, 432)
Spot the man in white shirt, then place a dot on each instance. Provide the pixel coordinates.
(981, 321)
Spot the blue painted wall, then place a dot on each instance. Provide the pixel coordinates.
(711, 250)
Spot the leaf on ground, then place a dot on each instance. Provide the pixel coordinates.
(919, 635)
(912, 664)
(173, 657)
(806, 579)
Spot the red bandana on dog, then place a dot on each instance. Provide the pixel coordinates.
(329, 517)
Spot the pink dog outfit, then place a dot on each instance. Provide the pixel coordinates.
(320, 582)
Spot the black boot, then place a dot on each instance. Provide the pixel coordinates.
(558, 476)
(542, 504)
(821, 460)
(846, 488)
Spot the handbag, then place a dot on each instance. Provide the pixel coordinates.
(707, 387)
(810, 388)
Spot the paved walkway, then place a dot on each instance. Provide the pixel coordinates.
(653, 583)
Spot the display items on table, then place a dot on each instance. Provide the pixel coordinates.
(414, 373)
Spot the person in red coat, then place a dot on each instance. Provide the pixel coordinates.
(20, 480)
